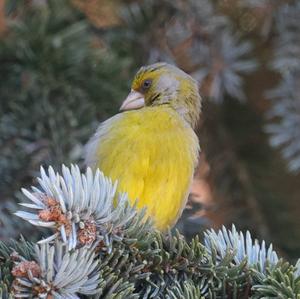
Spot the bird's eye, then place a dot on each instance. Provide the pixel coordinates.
(146, 84)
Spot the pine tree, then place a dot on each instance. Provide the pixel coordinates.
(54, 91)
(60, 75)
(121, 255)
(233, 48)
(285, 98)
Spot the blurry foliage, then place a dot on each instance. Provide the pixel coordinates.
(196, 36)
(200, 38)
(284, 126)
(285, 119)
(56, 84)
(234, 48)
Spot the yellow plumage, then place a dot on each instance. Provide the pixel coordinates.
(152, 153)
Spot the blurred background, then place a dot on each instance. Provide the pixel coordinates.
(67, 65)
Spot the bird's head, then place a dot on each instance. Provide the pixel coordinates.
(165, 84)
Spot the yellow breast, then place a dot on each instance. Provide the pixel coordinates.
(152, 153)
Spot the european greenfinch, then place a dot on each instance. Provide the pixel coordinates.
(150, 148)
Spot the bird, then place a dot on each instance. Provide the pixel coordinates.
(150, 147)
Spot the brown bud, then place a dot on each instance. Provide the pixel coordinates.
(22, 269)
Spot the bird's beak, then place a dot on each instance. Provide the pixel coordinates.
(134, 100)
